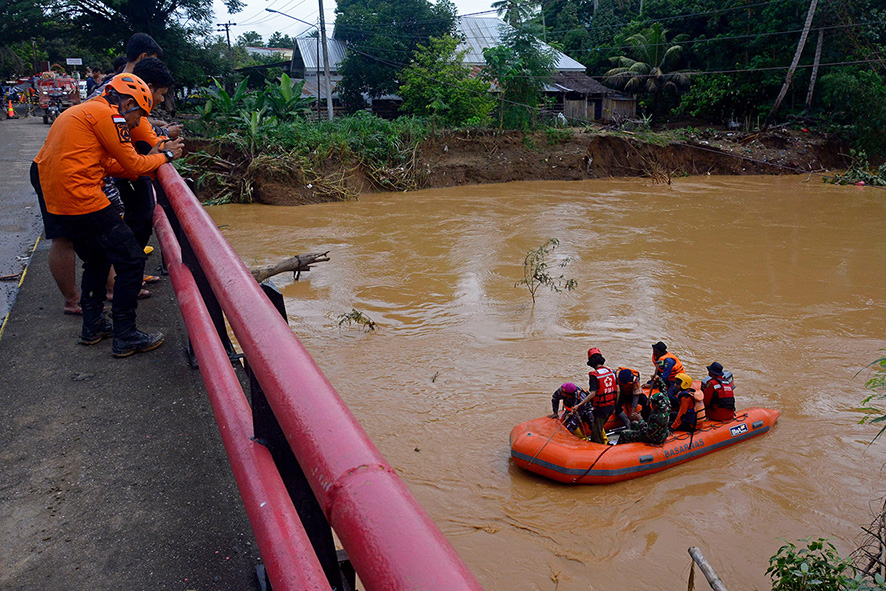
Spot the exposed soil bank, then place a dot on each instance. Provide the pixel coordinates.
(471, 157)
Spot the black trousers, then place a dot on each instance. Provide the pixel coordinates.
(138, 206)
(102, 239)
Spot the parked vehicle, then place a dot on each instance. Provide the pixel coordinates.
(56, 93)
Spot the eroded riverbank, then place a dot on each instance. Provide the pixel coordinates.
(480, 157)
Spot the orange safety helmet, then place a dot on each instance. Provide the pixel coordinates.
(131, 85)
(593, 351)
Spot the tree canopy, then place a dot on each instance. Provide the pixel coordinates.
(382, 39)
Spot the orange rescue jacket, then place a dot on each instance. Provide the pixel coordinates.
(86, 143)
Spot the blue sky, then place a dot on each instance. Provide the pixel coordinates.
(255, 18)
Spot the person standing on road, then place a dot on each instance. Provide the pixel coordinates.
(87, 142)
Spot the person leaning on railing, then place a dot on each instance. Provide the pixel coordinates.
(84, 144)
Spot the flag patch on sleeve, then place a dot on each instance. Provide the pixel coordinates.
(122, 129)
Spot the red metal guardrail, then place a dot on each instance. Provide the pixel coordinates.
(391, 541)
(282, 541)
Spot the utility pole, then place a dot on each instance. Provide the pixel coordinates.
(790, 74)
(227, 27)
(34, 47)
(326, 63)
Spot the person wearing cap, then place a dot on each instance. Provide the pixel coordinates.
(576, 410)
(691, 411)
(85, 143)
(630, 397)
(654, 428)
(666, 367)
(719, 396)
(603, 391)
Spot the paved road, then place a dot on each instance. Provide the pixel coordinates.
(20, 223)
(112, 471)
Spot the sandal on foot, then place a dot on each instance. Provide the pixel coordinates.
(77, 312)
(144, 294)
(150, 279)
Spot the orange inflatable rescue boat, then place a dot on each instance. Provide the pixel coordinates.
(545, 447)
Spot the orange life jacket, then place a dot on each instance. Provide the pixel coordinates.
(606, 387)
(659, 363)
(692, 409)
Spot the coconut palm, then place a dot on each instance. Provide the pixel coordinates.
(649, 70)
(513, 12)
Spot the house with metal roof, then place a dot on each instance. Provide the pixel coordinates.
(576, 95)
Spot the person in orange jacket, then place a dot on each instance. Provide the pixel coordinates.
(691, 411)
(84, 144)
(667, 366)
(719, 396)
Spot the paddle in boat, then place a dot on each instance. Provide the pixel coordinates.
(545, 447)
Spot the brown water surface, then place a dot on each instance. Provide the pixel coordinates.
(779, 279)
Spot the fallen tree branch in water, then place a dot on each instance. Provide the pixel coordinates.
(296, 264)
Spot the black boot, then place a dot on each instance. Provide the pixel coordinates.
(128, 339)
(95, 326)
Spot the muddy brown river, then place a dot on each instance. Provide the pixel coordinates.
(779, 279)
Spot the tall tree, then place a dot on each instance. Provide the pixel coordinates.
(382, 39)
(438, 84)
(278, 39)
(250, 39)
(519, 66)
(650, 68)
(112, 22)
(513, 12)
(790, 74)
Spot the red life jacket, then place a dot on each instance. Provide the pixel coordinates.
(607, 388)
(721, 399)
(659, 363)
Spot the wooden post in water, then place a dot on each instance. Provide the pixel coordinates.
(706, 569)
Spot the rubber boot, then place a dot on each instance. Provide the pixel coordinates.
(128, 339)
(95, 326)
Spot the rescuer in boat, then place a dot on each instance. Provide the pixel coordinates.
(603, 392)
(691, 411)
(667, 366)
(653, 430)
(719, 397)
(87, 142)
(630, 395)
(575, 406)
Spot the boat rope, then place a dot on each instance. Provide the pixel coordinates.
(588, 471)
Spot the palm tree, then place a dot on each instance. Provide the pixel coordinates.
(513, 12)
(649, 71)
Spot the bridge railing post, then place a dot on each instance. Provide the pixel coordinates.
(190, 260)
(269, 433)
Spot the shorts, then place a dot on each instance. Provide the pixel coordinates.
(51, 226)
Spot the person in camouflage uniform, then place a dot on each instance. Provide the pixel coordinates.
(654, 430)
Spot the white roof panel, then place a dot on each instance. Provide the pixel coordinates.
(307, 46)
(486, 32)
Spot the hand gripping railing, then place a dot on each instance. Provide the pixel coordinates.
(392, 543)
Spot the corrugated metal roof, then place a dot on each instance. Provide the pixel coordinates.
(486, 32)
(478, 32)
(307, 47)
